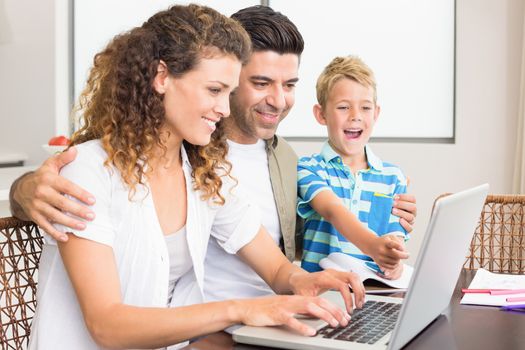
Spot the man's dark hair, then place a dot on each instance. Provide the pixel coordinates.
(270, 30)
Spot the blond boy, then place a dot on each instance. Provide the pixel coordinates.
(346, 192)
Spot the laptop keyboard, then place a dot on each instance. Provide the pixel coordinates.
(368, 324)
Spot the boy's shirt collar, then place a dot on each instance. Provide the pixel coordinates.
(373, 160)
(329, 155)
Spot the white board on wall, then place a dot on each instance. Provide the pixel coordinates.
(96, 22)
(409, 44)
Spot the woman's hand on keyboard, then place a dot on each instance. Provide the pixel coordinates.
(281, 310)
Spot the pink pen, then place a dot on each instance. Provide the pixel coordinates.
(511, 300)
(508, 291)
(480, 291)
(474, 291)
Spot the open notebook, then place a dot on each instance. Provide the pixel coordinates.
(488, 280)
(365, 269)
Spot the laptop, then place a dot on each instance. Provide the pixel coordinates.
(386, 322)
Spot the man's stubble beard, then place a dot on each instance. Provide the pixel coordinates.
(246, 124)
(243, 123)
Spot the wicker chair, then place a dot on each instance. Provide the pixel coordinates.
(20, 248)
(498, 244)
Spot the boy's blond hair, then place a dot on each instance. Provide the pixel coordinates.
(350, 67)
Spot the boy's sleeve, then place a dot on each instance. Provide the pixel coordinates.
(310, 182)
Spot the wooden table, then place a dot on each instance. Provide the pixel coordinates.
(460, 327)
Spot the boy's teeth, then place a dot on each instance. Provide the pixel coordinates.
(353, 133)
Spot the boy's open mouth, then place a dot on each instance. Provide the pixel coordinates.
(353, 133)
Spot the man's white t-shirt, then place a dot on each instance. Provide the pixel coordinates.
(226, 276)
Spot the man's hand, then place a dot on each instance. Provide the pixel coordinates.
(40, 196)
(387, 252)
(405, 208)
(313, 284)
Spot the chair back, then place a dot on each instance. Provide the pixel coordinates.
(498, 244)
(20, 248)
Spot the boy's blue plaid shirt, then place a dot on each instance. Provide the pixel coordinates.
(369, 196)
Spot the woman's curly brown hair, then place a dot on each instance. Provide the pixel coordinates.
(120, 106)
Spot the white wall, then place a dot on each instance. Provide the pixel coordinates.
(27, 78)
(376, 30)
(488, 51)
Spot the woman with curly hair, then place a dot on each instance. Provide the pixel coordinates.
(152, 151)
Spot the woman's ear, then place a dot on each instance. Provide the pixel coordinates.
(160, 83)
(319, 115)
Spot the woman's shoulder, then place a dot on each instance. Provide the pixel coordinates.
(90, 150)
(89, 160)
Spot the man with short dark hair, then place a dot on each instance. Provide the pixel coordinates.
(263, 163)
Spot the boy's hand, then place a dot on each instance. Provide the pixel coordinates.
(387, 251)
(393, 274)
(399, 239)
(405, 207)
